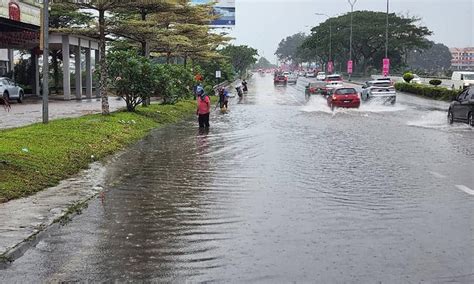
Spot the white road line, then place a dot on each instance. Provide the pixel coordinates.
(438, 175)
(465, 189)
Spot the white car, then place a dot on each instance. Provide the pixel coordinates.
(310, 74)
(334, 78)
(330, 86)
(381, 90)
(292, 78)
(321, 76)
(10, 90)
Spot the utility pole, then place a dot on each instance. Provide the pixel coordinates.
(45, 32)
(386, 32)
(352, 3)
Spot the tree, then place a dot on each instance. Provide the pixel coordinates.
(263, 63)
(434, 59)
(241, 57)
(103, 9)
(288, 48)
(132, 76)
(368, 39)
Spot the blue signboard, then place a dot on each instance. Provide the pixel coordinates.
(224, 9)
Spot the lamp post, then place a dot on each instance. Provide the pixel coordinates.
(352, 3)
(386, 31)
(330, 33)
(45, 31)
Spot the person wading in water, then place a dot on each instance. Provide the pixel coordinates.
(203, 108)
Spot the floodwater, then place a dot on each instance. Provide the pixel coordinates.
(279, 190)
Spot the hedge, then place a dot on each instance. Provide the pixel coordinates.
(437, 93)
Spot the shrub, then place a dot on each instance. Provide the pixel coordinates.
(435, 82)
(437, 93)
(174, 82)
(132, 76)
(408, 77)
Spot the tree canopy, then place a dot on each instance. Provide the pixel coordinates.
(436, 58)
(287, 50)
(368, 39)
(263, 63)
(241, 57)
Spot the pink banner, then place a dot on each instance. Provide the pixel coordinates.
(386, 66)
(330, 67)
(349, 66)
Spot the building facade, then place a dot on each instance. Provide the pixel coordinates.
(463, 58)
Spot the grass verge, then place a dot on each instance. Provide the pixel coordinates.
(38, 156)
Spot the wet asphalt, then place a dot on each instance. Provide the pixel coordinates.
(279, 190)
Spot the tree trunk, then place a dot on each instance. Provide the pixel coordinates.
(185, 60)
(103, 65)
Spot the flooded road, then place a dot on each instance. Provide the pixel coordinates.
(279, 190)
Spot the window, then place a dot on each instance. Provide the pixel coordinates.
(3, 68)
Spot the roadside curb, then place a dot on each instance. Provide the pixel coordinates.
(8, 257)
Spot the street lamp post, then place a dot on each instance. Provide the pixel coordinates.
(45, 32)
(386, 32)
(352, 3)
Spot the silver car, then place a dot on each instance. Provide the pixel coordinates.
(10, 90)
(379, 90)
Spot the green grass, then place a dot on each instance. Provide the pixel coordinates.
(38, 156)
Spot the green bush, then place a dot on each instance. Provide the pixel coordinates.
(435, 82)
(437, 93)
(174, 82)
(408, 77)
(132, 76)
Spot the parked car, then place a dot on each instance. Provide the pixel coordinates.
(344, 97)
(280, 79)
(301, 73)
(462, 78)
(10, 90)
(292, 78)
(379, 90)
(321, 76)
(334, 78)
(462, 108)
(310, 74)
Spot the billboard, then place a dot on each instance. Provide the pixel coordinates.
(224, 9)
(26, 11)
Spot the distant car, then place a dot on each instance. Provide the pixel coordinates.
(334, 78)
(292, 78)
(301, 73)
(286, 74)
(315, 88)
(10, 90)
(379, 90)
(332, 86)
(321, 76)
(310, 74)
(280, 79)
(462, 108)
(344, 97)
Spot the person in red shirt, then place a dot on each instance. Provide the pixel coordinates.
(203, 108)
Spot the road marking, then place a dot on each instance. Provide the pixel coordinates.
(438, 175)
(465, 189)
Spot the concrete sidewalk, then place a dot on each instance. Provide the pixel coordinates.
(23, 221)
(31, 111)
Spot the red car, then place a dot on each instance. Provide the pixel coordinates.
(280, 79)
(344, 97)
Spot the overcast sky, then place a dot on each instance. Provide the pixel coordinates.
(263, 23)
